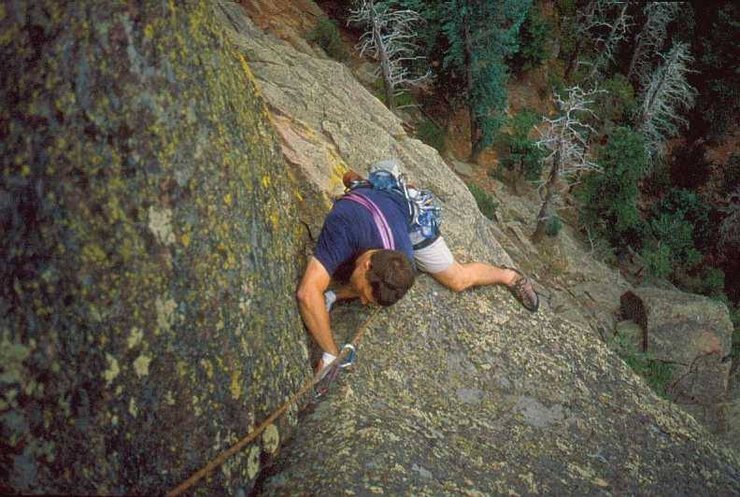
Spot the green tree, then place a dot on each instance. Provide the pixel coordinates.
(689, 206)
(617, 102)
(673, 230)
(678, 226)
(476, 38)
(535, 34)
(609, 200)
(524, 156)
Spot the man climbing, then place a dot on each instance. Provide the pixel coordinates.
(365, 244)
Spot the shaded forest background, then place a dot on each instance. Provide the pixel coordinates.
(633, 140)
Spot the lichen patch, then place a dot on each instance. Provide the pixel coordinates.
(271, 439)
(165, 313)
(134, 338)
(160, 224)
(12, 356)
(207, 367)
(112, 371)
(141, 365)
(235, 387)
(253, 461)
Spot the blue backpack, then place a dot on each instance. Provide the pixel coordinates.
(424, 215)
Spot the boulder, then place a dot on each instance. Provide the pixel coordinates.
(692, 333)
(462, 168)
(149, 252)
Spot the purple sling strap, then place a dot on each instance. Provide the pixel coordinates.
(381, 223)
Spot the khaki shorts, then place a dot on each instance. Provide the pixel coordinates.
(434, 258)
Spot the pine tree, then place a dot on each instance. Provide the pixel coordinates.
(478, 36)
(609, 200)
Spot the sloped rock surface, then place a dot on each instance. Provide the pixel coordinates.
(148, 252)
(577, 286)
(460, 394)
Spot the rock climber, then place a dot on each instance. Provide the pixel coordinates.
(365, 246)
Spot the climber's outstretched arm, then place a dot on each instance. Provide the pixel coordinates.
(310, 296)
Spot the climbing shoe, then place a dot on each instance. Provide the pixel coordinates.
(522, 290)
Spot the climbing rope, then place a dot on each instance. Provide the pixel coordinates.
(345, 358)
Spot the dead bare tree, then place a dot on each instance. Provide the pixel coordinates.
(652, 37)
(566, 139)
(666, 95)
(616, 29)
(729, 228)
(390, 40)
(600, 26)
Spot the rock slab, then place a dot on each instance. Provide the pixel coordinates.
(148, 252)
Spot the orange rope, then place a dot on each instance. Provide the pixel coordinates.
(252, 435)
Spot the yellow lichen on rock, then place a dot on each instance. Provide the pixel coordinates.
(338, 168)
(207, 367)
(271, 439)
(160, 223)
(141, 365)
(165, 314)
(139, 149)
(236, 384)
(135, 338)
(113, 370)
(253, 461)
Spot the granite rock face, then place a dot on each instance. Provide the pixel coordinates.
(692, 333)
(458, 394)
(148, 251)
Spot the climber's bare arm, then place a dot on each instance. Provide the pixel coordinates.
(310, 296)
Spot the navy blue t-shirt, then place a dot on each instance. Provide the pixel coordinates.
(349, 230)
